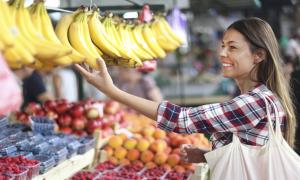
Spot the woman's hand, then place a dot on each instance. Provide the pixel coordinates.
(192, 154)
(100, 80)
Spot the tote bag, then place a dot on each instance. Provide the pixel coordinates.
(276, 160)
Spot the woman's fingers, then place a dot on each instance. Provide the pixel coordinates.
(102, 65)
(81, 70)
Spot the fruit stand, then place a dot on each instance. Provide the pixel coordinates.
(57, 139)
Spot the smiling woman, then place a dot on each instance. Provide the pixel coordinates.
(250, 55)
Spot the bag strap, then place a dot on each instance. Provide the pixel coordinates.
(277, 132)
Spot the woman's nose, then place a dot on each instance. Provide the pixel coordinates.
(223, 52)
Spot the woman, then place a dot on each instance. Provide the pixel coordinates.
(249, 55)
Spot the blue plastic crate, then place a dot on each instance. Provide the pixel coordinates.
(3, 121)
(58, 152)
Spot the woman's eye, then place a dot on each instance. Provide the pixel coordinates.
(232, 47)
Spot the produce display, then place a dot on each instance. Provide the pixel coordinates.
(80, 118)
(29, 39)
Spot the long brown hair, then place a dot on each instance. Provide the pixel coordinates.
(260, 35)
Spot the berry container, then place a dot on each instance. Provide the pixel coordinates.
(3, 121)
(33, 170)
(47, 162)
(7, 149)
(87, 143)
(52, 140)
(43, 125)
(28, 155)
(58, 152)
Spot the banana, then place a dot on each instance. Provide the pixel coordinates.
(138, 36)
(87, 36)
(61, 31)
(2, 46)
(163, 38)
(166, 26)
(100, 37)
(78, 42)
(144, 55)
(46, 50)
(152, 42)
(114, 37)
(126, 43)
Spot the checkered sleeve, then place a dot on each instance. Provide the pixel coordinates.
(239, 114)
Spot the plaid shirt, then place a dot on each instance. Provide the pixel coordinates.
(244, 115)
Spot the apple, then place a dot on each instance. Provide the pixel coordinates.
(92, 125)
(92, 113)
(65, 130)
(61, 107)
(32, 108)
(22, 117)
(77, 111)
(64, 120)
(80, 133)
(40, 112)
(111, 107)
(87, 102)
(49, 105)
(51, 114)
(78, 123)
(107, 132)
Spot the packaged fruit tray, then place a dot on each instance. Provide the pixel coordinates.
(3, 121)
(26, 154)
(53, 140)
(58, 152)
(20, 127)
(36, 148)
(42, 124)
(33, 169)
(7, 149)
(13, 171)
(47, 162)
(87, 143)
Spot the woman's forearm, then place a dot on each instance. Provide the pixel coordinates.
(144, 106)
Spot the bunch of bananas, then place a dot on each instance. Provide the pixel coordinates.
(29, 39)
(118, 43)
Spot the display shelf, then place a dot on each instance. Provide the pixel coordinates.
(69, 167)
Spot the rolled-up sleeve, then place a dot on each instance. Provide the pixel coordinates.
(239, 114)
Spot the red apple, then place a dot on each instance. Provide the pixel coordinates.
(111, 107)
(32, 108)
(92, 125)
(51, 114)
(76, 111)
(49, 105)
(65, 130)
(80, 133)
(40, 112)
(22, 117)
(61, 107)
(78, 123)
(92, 113)
(106, 132)
(64, 120)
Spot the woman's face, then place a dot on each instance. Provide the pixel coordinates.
(235, 55)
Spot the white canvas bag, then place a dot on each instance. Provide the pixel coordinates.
(276, 160)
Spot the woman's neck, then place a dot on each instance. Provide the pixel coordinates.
(245, 86)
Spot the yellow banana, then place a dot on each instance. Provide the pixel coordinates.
(167, 27)
(78, 42)
(100, 37)
(144, 55)
(46, 49)
(2, 46)
(137, 33)
(6, 37)
(114, 37)
(61, 31)
(87, 36)
(163, 38)
(126, 43)
(152, 42)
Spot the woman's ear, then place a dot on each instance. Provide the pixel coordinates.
(259, 55)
